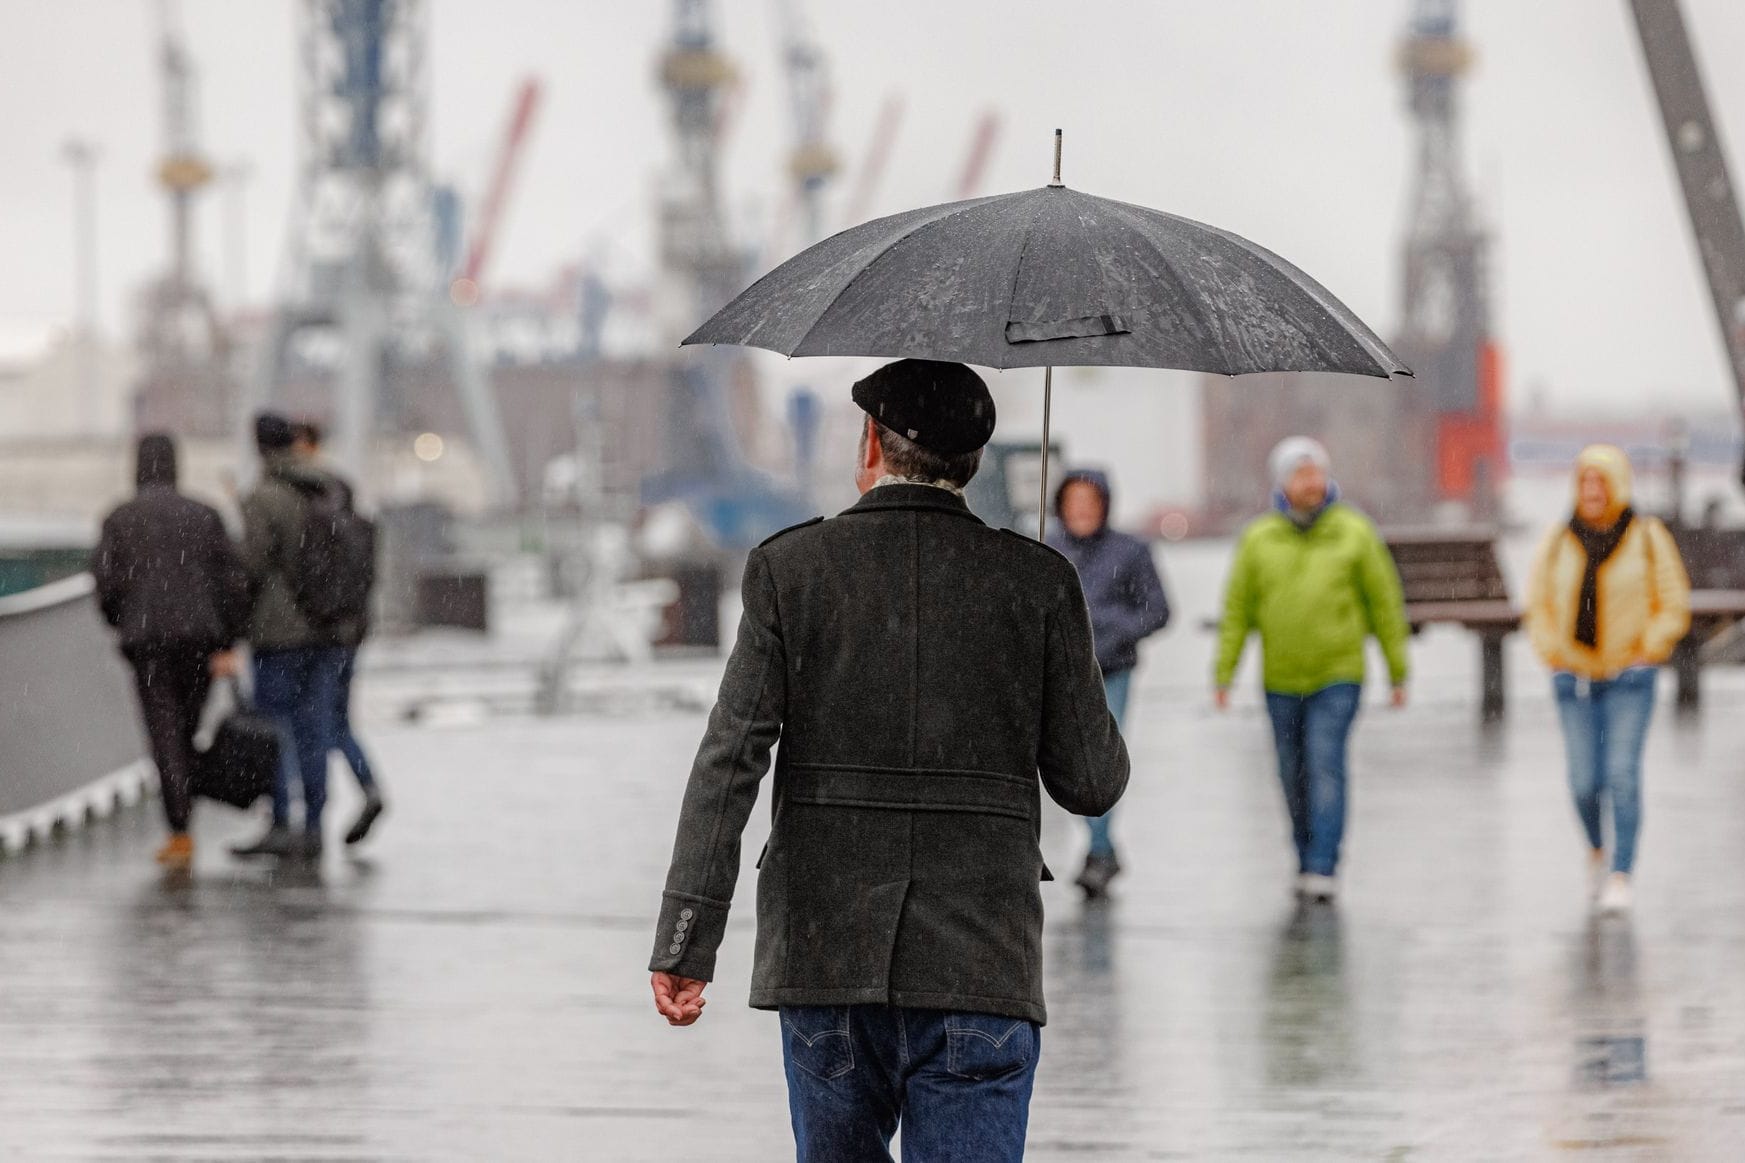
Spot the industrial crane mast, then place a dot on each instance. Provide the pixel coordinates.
(364, 276)
(186, 386)
(813, 163)
(183, 171)
(1445, 329)
(1702, 170)
(701, 268)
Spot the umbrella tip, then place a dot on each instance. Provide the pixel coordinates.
(1056, 181)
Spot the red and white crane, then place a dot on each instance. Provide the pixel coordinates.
(465, 288)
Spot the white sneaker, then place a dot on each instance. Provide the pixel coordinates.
(1314, 887)
(1615, 896)
(1597, 871)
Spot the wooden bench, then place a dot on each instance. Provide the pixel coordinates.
(1453, 576)
(1711, 611)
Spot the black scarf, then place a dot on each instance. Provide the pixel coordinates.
(1599, 544)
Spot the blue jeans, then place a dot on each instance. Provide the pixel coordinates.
(295, 688)
(959, 1083)
(1605, 725)
(1116, 687)
(343, 739)
(1311, 733)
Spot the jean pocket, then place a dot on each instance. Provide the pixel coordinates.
(982, 1046)
(818, 1040)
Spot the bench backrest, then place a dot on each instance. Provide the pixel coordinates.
(1442, 565)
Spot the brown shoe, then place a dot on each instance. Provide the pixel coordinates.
(177, 854)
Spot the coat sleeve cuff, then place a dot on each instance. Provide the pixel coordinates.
(688, 934)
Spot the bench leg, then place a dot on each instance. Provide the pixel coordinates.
(1687, 664)
(1495, 697)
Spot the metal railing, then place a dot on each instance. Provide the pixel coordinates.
(71, 746)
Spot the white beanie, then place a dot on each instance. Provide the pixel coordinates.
(1292, 452)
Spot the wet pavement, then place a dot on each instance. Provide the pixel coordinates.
(471, 986)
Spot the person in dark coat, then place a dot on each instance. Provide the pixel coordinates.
(1127, 605)
(172, 585)
(928, 678)
(306, 445)
(296, 662)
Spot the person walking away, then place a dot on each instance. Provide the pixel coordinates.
(1127, 605)
(1316, 580)
(1607, 602)
(922, 671)
(171, 584)
(296, 660)
(306, 436)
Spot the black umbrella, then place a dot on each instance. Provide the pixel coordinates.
(1051, 278)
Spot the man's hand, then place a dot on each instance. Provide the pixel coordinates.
(225, 664)
(1221, 698)
(1399, 698)
(679, 999)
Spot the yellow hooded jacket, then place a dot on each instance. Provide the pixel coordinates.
(1644, 593)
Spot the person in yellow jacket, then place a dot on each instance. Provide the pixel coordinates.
(1607, 602)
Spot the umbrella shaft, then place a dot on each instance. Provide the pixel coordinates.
(1047, 407)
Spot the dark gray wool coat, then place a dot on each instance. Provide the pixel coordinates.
(921, 671)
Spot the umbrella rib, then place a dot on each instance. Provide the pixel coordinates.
(950, 208)
(1186, 296)
(1385, 361)
(1018, 267)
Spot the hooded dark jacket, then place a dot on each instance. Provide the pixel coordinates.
(929, 678)
(167, 575)
(1120, 580)
(272, 528)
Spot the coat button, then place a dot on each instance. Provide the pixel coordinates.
(683, 925)
(686, 914)
(675, 948)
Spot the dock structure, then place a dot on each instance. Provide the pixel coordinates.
(470, 984)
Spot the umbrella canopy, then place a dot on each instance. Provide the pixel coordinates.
(1051, 278)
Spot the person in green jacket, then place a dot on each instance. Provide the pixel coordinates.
(1316, 579)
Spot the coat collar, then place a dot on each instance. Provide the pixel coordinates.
(915, 498)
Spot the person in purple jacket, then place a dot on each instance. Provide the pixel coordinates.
(1127, 604)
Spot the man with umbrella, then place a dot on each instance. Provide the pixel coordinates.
(928, 677)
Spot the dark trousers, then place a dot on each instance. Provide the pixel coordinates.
(173, 682)
(295, 688)
(959, 1083)
(342, 734)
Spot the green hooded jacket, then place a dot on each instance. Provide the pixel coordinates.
(1314, 594)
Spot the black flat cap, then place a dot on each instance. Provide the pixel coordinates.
(272, 432)
(943, 407)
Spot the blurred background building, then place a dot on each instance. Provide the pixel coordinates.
(531, 403)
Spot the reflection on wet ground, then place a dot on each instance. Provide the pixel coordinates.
(474, 990)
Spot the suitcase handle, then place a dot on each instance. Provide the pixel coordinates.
(238, 696)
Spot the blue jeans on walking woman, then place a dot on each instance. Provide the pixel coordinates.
(1605, 725)
(1116, 687)
(1311, 733)
(294, 688)
(343, 738)
(959, 1083)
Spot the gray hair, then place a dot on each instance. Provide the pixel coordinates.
(908, 460)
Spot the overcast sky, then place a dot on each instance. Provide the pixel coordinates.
(1279, 119)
